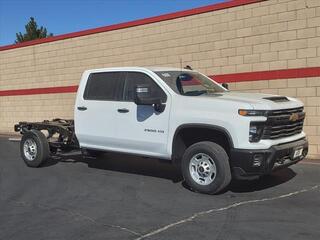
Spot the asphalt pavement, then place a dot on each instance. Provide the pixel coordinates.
(125, 197)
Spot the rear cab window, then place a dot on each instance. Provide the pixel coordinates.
(105, 86)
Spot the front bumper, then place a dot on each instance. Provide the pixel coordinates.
(248, 163)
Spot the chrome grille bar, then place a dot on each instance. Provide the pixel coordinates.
(281, 123)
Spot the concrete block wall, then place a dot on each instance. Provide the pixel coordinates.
(250, 37)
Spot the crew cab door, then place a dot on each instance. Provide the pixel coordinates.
(96, 110)
(140, 128)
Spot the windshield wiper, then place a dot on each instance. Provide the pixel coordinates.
(196, 93)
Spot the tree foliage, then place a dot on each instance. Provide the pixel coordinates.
(32, 32)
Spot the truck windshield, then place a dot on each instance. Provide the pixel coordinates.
(189, 83)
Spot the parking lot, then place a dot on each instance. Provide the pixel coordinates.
(125, 197)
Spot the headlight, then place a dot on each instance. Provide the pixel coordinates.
(255, 131)
(252, 113)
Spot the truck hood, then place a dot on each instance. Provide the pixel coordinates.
(258, 100)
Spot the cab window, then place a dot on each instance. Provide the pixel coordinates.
(135, 78)
(105, 86)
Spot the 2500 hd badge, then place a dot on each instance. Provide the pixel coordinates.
(153, 130)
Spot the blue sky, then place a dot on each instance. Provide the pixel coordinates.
(65, 16)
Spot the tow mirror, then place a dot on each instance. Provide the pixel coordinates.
(225, 85)
(143, 97)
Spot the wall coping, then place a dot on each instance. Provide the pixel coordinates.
(139, 22)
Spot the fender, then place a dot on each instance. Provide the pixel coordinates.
(203, 126)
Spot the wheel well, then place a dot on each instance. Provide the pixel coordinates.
(187, 136)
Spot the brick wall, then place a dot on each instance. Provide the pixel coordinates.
(262, 36)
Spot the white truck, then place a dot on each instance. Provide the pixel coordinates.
(212, 134)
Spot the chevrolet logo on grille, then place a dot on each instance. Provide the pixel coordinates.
(294, 117)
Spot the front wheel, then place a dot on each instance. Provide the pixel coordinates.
(34, 148)
(205, 167)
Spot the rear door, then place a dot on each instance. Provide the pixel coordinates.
(96, 110)
(141, 129)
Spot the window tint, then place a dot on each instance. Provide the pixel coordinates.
(189, 83)
(134, 78)
(104, 86)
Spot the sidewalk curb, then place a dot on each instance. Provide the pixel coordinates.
(17, 138)
(14, 139)
(310, 161)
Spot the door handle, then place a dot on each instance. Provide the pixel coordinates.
(123, 110)
(82, 108)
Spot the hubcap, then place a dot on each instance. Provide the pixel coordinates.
(30, 149)
(202, 169)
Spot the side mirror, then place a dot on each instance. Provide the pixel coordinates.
(143, 97)
(225, 85)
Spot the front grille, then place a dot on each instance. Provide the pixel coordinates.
(283, 123)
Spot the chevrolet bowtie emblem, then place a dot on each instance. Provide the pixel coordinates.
(294, 117)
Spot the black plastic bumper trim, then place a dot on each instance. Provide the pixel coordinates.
(276, 157)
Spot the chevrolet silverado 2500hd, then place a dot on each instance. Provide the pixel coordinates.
(211, 133)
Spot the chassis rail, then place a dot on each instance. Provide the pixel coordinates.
(59, 132)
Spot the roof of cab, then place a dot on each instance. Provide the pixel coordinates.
(158, 69)
(153, 69)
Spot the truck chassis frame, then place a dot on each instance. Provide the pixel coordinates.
(59, 133)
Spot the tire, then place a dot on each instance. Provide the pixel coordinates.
(34, 148)
(205, 167)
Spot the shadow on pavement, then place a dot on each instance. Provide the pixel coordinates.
(269, 181)
(124, 163)
(164, 169)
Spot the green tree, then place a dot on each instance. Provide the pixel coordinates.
(32, 32)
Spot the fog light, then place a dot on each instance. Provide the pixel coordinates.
(304, 153)
(255, 131)
(257, 160)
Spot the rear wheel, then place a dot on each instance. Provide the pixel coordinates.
(205, 167)
(34, 148)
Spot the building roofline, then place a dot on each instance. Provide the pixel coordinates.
(139, 22)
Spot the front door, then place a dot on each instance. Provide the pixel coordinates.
(140, 129)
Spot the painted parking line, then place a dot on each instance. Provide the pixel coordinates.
(214, 210)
